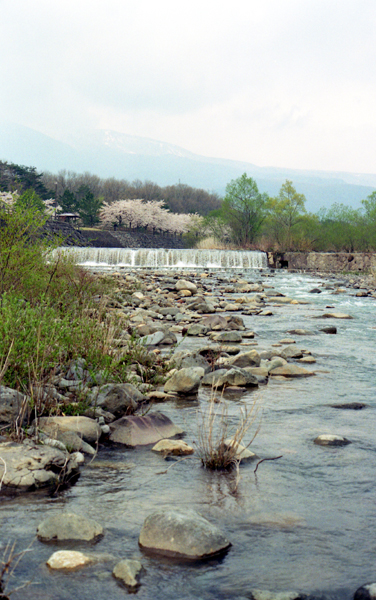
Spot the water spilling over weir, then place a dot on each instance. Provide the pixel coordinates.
(161, 258)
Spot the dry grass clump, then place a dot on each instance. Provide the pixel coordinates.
(215, 429)
(212, 243)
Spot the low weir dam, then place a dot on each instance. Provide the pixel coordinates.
(167, 258)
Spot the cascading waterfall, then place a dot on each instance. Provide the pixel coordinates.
(161, 258)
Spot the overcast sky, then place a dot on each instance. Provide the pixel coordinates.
(286, 83)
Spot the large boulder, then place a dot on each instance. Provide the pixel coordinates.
(183, 359)
(141, 431)
(226, 377)
(183, 284)
(11, 405)
(244, 359)
(27, 466)
(185, 381)
(86, 428)
(69, 526)
(182, 533)
(121, 399)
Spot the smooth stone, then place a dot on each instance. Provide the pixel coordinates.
(197, 329)
(86, 428)
(350, 405)
(301, 332)
(128, 572)
(268, 595)
(68, 560)
(153, 339)
(366, 592)
(173, 448)
(234, 376)
(69, 526)
(336, 315)
(274, 363)
(286, 341)
(183, 285)
(182, 533)
(229, 337)
(185, 381)
(242, 452)
(291, 352)
(183, 359)
(289, 370)
(331, 440)
(215, 322)
(244, 359)
(309, 360)
(142, 431)
(232, 307)
(331, 329)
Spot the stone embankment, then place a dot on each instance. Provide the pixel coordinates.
(325, 262)
(130, 239)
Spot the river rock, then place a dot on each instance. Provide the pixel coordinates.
(69, 526)
(128, 572)
(366, 592)
(269, 595)
(197, 329)
(86, 428)
(185, 380)
(141, 431)
(11, 403)
(327, 439)
(173, 448)
(291, 352)
(244, 359)
(242, 452)
(182, 533)
(336, 315)
(234, 376)
(215, 322)
(331, 329)
(68, 560)
(300, 332)
(29, 466)
(228, 337)
(153, 339)
(289, 370)
(350, 405)
(274, 363)
(183, 284)
(308, 360)
(122, 398)
(234, 322)
(183, 359)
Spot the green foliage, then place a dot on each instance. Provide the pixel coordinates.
(243, 210)
(285, 215)
(68, 202)
(20, 178)
(343, 228)
(30, 200)
(88, 206)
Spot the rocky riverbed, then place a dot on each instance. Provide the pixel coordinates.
(233, 340)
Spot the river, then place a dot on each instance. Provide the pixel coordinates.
(303, 522)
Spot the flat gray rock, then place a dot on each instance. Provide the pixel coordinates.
(226, 377)
(10, 404)
(86, 428)
(69, 526)
(142, 431)
(182, 533)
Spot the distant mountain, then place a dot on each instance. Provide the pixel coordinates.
(112, 154)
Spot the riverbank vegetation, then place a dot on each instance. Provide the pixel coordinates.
(53, 312)
(244, 218)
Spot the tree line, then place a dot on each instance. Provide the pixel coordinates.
(250, 219)
(244, 217)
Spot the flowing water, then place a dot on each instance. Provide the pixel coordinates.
(303, 522)
(167, 258)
